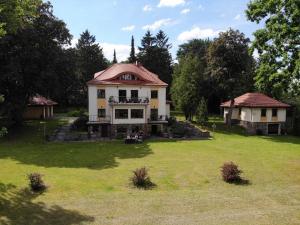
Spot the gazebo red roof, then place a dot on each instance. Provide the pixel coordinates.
(110, 75)
(256, 100)
(40, 100)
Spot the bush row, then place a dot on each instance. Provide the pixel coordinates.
(141, 179)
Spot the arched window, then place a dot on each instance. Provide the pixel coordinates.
(128, 77)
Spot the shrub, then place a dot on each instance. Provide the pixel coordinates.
(178, 130)
(171, 120)
(36, 182)
(80, 123)
(76, 113)
(259, 132)
(141, 178)
(231, 173)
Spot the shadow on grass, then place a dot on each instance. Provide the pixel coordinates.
(17, 207)
(99, 155)
(241, 182)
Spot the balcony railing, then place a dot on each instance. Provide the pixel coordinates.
(154, 118)
(96, 118)
(127, 100)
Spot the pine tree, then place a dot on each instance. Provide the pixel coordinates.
(115, 57)
(202, 114)
(132, 57)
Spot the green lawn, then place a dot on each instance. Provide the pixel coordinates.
(89, 182)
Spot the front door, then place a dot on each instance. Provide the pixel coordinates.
(104, 131)
(154, 129)
(273, 128)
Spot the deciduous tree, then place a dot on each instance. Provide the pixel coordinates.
(277, 44)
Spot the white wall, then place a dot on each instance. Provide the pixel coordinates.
(246, 114)
(143, 91)
(254, 114)
(92, 93)
(162, 101)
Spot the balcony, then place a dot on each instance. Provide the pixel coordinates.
(158, 119)
(115, 100)
(94, 119)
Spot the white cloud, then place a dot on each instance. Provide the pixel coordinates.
(147, 8)
(197, 32)
(122, 51)
(237, 17)
(185, 11)
(170, 3)
(157, 24)
(128, 28)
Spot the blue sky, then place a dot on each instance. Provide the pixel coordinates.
(113, 22)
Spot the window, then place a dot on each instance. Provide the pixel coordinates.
(128, 77)
(101, 113)
(240, 111)
(134, 93)
(154, 94)
(263, 113)
(274, 112)
(121, 113)
(154, 114)
(137, 113)
(122, 95)
(101, 93)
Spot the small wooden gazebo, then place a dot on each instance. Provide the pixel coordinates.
(39, 107)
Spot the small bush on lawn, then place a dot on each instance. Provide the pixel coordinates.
(141, 178)
(36, 182)
(231, 173)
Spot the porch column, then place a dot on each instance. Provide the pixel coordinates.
(44, 112)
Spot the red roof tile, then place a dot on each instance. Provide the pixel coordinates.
(40, 100)
(110, 75)
(256, 100)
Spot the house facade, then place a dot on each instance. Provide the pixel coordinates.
(258, 113)
(127, 98)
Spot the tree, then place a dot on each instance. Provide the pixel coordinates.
(16, 14)
(231, 65)
(277, 44)
(154, 55)
(132, 57)
(28, 61)
(90, 61)
(115, 57)
(202, 114)
(185, 89)
(3, 130)
(190, 80)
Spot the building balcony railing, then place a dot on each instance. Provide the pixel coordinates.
(158, 118)
(97, 119)
(127, 100)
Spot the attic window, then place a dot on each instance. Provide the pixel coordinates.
(128, 77)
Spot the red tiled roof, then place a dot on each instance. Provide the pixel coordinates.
(256, 100)
(110, 75)
(40, 100)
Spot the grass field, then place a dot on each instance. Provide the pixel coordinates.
(89, 182)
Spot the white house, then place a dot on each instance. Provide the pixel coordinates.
(127, 98)
(258, 112)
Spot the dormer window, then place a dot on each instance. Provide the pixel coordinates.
(128, 77)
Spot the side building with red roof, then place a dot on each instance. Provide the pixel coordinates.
(258, 113)
(39, 107)
(125, 99)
